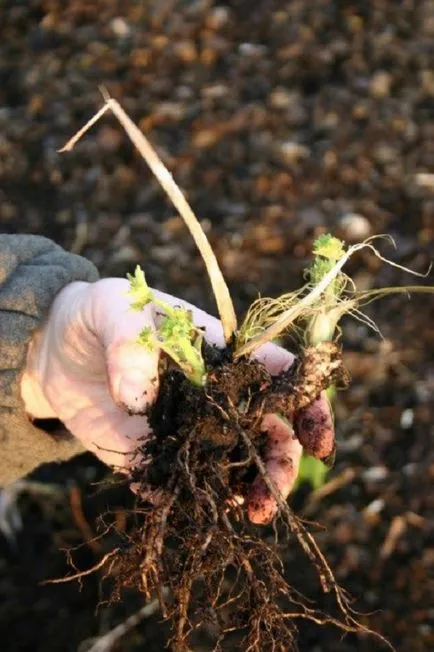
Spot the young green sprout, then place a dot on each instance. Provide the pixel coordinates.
(317, 307)
(327, 251)
(315, 311)
(176, 334)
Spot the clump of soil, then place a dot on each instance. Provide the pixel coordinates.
(206, 449)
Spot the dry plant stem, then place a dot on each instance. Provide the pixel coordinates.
(80, 133)
(220, 289)
(109, 640)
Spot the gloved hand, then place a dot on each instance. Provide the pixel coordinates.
(85, 368)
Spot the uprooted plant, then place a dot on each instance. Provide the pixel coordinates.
(209, 443)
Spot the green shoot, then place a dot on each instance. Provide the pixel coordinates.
(312, 471)
(327, 250)
(140, 292)
(176, 333)
(321, 303)
(315, 310)
(328, 247)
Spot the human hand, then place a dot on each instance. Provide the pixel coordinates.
(86, 369)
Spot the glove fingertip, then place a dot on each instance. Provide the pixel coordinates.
(134, 393)
(315, 430)
(133, 375)
(261, 505)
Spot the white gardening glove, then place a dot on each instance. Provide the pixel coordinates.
(86, 369)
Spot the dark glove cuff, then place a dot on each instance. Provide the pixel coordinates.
(33, 270)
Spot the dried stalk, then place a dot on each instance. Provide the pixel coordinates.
(164, 177)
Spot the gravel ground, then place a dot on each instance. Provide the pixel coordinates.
(280, 120)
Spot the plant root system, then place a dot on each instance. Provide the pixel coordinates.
(208, 445)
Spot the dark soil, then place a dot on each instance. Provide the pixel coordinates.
(280, 120)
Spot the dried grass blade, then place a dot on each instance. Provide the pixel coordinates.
(220, 289)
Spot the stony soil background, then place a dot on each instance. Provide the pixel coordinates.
(280, 120)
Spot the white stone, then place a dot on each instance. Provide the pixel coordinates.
(120, 27)
(356, 227)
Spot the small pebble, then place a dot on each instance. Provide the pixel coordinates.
(375, 474)
(120, 27)
(126, 253)
(380, 85)
(356, 227)
(215, 92)
(7, 211)
(375, 507)
(252, 49)
(218, 18)
(281, 98)
(351, 444)
(186, 51)
(407, 419)
(292, 152)
(427, 77)
(384, 153)
(410, 469)
(424, 180)
(171, 110)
